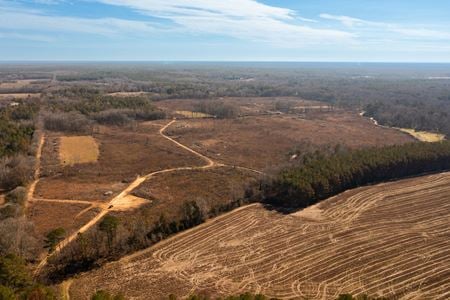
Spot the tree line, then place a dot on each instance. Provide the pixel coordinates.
(318, 176)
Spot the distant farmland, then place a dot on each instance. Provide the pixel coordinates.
(387, 240)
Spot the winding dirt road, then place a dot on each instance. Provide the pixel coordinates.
(121, 200)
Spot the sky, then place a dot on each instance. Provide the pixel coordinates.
(226, 30)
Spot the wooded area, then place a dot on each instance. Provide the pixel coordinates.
(318, 176)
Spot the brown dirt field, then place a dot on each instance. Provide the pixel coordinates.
(124, 154)
(127, 94)
(47, 216)
(166, 193)
(19, 96)
(16, 84)
(388, 240)
(263, 141)
(2, 199)
(78, 150)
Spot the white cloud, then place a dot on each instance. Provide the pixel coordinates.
(16, 19)
(248, 20)
(386, 28)
(29, 37)
(243, 19)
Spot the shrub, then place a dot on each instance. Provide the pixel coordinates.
(17, 196)
(6, 293)
(103, 295)
(10, 211)
(13, 272)
(118, 117)
(67, 122)
(15, 171)
(219, 109)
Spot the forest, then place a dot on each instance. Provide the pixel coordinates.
(319, 175)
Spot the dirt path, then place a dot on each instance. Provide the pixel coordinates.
(121, 200)
(37, 171)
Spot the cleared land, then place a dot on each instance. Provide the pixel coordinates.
(391, 239)
(19, 96)
(424, 136)
(125, 153)
(263, 141)
(78, 150)
(166, 193)
(192, 114)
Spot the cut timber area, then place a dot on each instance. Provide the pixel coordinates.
(388, 240)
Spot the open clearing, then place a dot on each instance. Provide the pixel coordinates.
(166, 193)
(125, 153)
(78, 150)
(391, 239)
(263, 141)
(48, 215)
(192, 114)
(424, 136)
(19, 96)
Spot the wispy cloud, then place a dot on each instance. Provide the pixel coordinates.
(384, 27)
(243, 19)
(19, 19)
(247, 20)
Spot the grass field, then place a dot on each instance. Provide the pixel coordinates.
(78, 150)
(424, 136)
(388, 240)
(19, 96)
(48, 215)
(264, 141)
(124, 154)
(166, 193)
(192, 114)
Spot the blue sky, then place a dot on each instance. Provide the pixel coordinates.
(236, 30)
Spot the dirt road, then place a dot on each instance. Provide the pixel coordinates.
(121, 200)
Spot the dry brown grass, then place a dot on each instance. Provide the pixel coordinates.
(247, 106)
(424, 136)
(16, 84)
(125, 153)
(263, 141)
(127, 94)
(78, 150)
(389, 240)
(19, 96)
(166, 193)
(47, 216)
(192, 114)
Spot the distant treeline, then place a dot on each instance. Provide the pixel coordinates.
(318, 176)
(16, 128)
(75, 109)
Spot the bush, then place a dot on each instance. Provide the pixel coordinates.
(6, 293)
(17, 196)
(15, 171)
(219, 109)
(103, 295)
(13, 272)
(118, 117)
(10, 211)
(67, 122)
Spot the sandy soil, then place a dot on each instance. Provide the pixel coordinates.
(78, 150)
(424, 136)
(387, 240)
